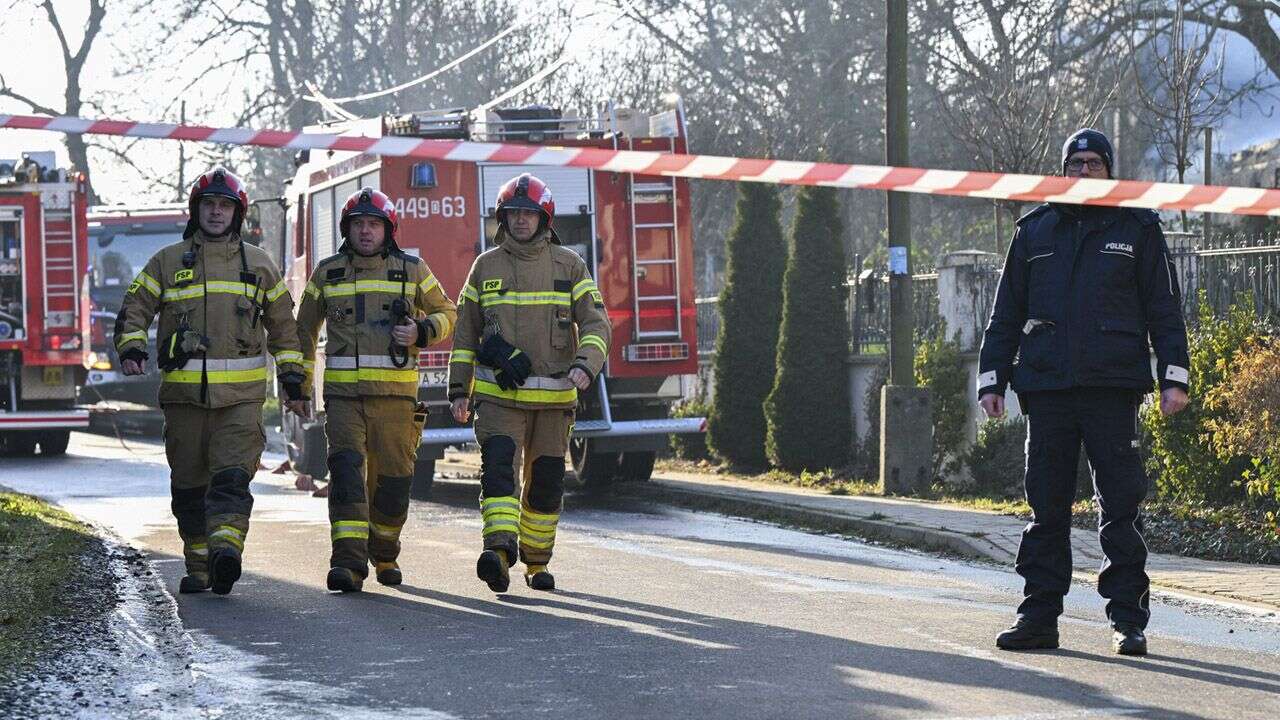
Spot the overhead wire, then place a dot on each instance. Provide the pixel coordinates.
(334, 108)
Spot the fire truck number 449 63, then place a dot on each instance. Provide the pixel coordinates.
(421, 207)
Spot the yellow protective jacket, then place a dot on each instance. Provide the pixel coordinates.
(353, 294)
(540, 297)
(240, 304)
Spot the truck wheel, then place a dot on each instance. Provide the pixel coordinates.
(55, 443)
(424, 476)
(594, 469)
(19, 444)
(637, 466)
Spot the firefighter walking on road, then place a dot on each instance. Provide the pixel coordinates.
(532, 332)
(380, 306)
(221, 302)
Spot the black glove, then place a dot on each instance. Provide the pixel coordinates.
(512, 365)
(426, 329)
(292, 384)
(456, 391)
(136, 354)
(181, 345)
(171, 353)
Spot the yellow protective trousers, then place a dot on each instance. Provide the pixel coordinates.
(373, 442)
(523, 521)
(213, 454)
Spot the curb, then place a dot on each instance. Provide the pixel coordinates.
(929, 539)
(923, 538)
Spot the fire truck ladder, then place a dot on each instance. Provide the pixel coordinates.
(61, 271)
(664, 193)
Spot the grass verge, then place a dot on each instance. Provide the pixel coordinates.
(41, 548)
(834, 483)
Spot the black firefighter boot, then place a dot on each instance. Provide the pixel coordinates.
(537, 577)
(193, 582)
(388, 573)
(224, 570)
(344, 580)
(491, 567)
(1027, 634)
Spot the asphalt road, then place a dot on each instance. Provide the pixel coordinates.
(661, 613)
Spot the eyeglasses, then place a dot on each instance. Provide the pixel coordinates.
(1095, 164)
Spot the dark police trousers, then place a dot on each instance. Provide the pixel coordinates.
(1106, 420)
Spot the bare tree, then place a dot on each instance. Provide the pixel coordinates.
(1013, 77)
(778, 78)
(73, 62)
(273, 48)
(1257, 21)
(1183, 90)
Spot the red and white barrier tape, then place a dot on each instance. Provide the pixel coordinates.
(1001, 186)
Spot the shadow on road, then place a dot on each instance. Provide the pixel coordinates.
(585, 655)
(1227, 675)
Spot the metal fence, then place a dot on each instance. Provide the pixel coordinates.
(708, 324)
(866, 310)
(1226, 268)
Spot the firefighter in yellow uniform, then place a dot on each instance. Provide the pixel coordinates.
(220, 303)
(532, 332)
(380, 306)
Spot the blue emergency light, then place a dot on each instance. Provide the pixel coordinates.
(422, 175)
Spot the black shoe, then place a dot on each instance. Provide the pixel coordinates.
(193, 583)
(1029, 635)
(491, 567)
(224, 570)
(540, 579)
(388, 573)
(1128, 640)
(342, 579)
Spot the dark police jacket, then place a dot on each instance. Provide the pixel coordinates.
(1083, 289)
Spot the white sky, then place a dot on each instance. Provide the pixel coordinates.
(31, 63)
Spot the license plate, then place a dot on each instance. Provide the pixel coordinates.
(435, 378)
(52, 375)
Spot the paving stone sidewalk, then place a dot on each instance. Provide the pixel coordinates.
(967, 531)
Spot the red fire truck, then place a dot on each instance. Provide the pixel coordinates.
(122, 238)
(634, 232)
(44, 318)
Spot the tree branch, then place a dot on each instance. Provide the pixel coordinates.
(36, 107)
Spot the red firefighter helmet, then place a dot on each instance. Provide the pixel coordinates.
(367, 201)
(527, 193)
(217, 181)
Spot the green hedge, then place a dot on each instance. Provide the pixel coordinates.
(690, 446)
(808, 412)
(750, 313)
(940, 368)
(1183, 460)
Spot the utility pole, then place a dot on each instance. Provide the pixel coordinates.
(182, 155)
(906, 434)
(1208, 176)
(999, 219)
(901, 315)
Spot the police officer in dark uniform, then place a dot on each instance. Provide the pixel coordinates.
(1084, 289)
